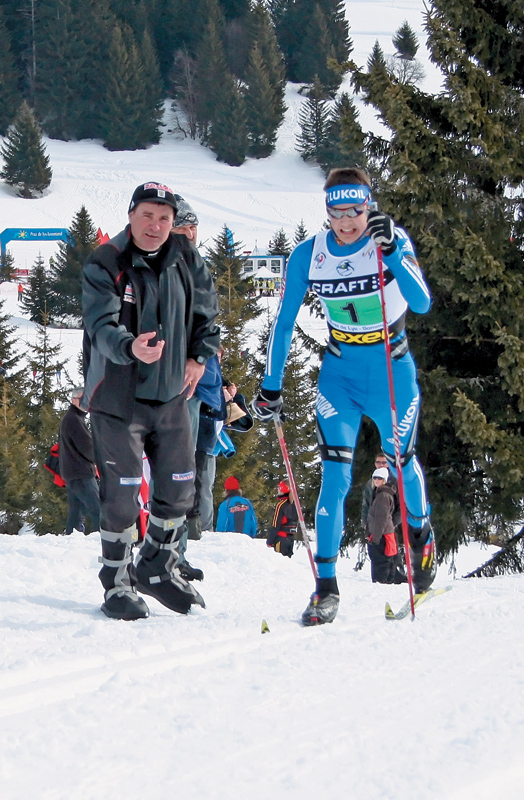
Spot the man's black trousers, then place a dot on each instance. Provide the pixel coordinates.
(163, 432)
(82, 501)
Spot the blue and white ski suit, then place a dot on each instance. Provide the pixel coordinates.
(353, 378)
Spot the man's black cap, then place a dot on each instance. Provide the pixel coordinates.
(152, 192)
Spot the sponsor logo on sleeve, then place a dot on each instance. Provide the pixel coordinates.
(182, 476)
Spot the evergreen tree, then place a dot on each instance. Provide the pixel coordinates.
(316, 56)
(236, 46)
(66, 273)
(26, 164)
(16, 484)
(15, 443)
(149, 91)
(59, 67)
(237, 306)
(47, 405)
(452, 175)
(263, 35)
(18, 26)
(235, 8)
(260, 101)
(237, 309)
(508, 560)
(9, 99)
(38, 299)
(98, 23)
(280, 244)
(130, 107)
(228, 136)
(313, 119)
(405, 42)
(314, 38)
(345, 139)
(175, 27)
(403, 64)
(300, 233)
(211, 70)
(7, 266)
(376, 58)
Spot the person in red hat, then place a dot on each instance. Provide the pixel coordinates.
(285, 522)
(236, 513)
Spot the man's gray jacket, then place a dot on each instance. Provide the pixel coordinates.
(123, 297)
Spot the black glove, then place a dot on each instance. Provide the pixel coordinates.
(266, 403)
(284, 546)
(381, 229)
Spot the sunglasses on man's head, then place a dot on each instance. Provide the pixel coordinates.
(354, 211)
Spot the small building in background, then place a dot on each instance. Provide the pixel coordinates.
(265, 270)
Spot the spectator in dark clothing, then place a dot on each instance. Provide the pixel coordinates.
(236, 513)
(149, 310)
(367, 495)
(77, 467)
(285, 521)
(382, 541)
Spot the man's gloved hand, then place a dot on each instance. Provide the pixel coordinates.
(381, 229)
(284, 545)
(266, 403)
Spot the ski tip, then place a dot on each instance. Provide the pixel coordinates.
(265, 627)
(389, 612)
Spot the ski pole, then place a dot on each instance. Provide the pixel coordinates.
(291, 479)
(394, 425)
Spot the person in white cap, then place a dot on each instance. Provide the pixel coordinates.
(380, 530)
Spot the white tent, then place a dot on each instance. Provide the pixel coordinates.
(264, 274)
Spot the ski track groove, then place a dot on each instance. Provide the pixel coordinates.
(36, 687)
(31, 689)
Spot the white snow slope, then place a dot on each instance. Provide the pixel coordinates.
(206, 707)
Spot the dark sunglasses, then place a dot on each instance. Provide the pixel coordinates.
(355, 211)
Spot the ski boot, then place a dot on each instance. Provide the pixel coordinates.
(190, 573)
(157, 574)
(323, 604)
(118, 576)
(423, 556)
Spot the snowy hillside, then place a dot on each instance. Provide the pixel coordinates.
(206, 707)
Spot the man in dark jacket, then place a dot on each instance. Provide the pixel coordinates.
(77, 467)
(149, 309)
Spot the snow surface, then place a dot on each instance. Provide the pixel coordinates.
(205, 707)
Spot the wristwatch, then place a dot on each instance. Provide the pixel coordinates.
(201, 360)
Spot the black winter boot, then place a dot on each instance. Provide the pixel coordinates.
(323, 604)
(118, 576)
(189, 572)
(156, 572)
(423, 556)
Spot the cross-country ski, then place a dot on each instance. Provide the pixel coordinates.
(418, 599)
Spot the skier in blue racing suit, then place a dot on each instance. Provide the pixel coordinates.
(340, 265)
